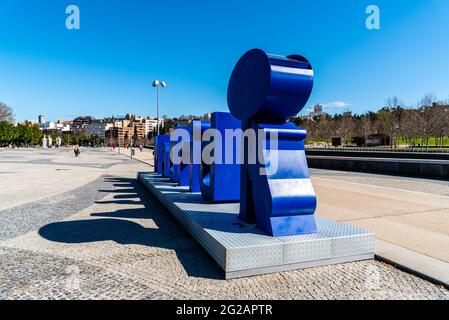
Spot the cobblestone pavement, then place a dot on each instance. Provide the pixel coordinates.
(18, 220)
(124, 245)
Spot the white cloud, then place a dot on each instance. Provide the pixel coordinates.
(336, 105)
(330, 107)
(309, 109)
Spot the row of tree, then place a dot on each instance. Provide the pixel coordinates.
(27, 134)
(69, 139)
(422, 126)
(20, 135)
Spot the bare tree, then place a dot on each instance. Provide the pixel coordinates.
(410, 126)
(445, 122)
(346, 126)
(415, 125)
(366, 126)
(391, 117)
(326, 128)
(428, 119)
(6, 113)
(440, 115)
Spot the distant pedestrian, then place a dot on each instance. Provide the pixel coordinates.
(141, 147)
(77, 151)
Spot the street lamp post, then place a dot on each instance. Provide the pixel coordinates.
(132, 139)
(157, 84)
(112, 133)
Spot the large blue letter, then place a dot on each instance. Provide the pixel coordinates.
(264, 92)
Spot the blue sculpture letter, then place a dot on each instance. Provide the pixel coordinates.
(219, 180)
(264, 92)
(197, 128)
(158, 154)
(184, 137)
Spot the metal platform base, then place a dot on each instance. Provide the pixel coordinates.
(242, 250)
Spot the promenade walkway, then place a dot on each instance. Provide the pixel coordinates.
(83, 228)
(409, 216)
(145, 156)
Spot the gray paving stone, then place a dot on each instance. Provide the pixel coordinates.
(31, 216)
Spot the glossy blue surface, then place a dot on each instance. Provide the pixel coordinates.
(174, 172)
(269, 88)
(166, 158)
(176, 166)
(264, 91)
(282, 202)
(158, 154)
(184, 168)
(197, 129)
(220, 182)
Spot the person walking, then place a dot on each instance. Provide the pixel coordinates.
(77, 151)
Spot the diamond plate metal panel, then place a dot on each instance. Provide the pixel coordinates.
(347, 246)
(304, 251)
(247, 258)
(243, 250)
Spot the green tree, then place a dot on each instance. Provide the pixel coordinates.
(35, 135)
(168, 124)
(95, 140)
(7, 133)
(27, 134)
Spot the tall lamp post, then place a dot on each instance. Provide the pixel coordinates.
(112, 134)
(157, 84)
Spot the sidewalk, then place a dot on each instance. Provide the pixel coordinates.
(422, 265)
(412, 228)
(146, 156)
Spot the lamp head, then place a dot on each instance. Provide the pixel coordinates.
(156, 83)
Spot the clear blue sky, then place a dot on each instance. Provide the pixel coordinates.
(108, 66)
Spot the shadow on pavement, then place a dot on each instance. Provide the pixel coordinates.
(113, 226)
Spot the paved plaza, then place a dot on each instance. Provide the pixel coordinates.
(84, 228)
(412, 213)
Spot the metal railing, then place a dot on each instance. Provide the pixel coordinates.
(382, 149)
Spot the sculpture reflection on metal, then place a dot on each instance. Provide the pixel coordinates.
(184, 167)
(174, 169)
(220, 182)
(165, 160)
(196, 129)
(264, 92)
(158, 154)
(176, 165)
